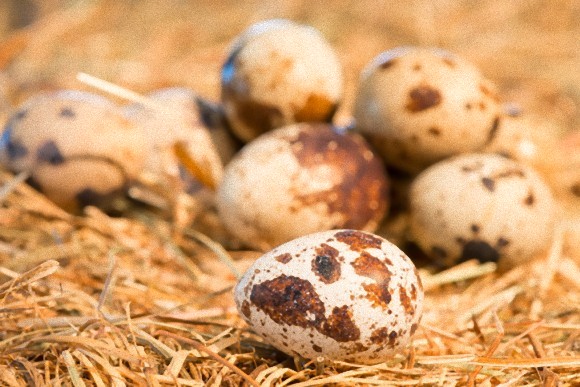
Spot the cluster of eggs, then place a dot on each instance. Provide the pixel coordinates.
(345, 293)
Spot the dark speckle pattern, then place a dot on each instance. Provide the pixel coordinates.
(50, 153)
(67, 112)
(423, 97)
(357, 240)
(294, 301)
(326, 265)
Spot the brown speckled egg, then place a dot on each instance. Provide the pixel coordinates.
(279, 72)
(301, 179)
(481, 206)
(178, 119)
(421, 105)
(341, 294)
(77, 147)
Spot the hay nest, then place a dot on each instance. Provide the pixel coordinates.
(144, 298)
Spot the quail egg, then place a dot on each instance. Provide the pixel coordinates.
(77, 147)
(301, 179)
(277, 73)
(481, 206)
(420, 105)
(341, 294)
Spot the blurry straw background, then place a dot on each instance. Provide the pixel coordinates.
(144, 299)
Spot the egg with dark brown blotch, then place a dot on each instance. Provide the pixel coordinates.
(300, 179)
(481, 206)
(279, 72)
(340, 294)
(420, 105)
(77, 147)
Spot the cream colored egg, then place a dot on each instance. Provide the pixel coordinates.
(277, 73)
(481, 206)
(421, 105)
(74, 134)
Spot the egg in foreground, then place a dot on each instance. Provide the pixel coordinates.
(342, 294)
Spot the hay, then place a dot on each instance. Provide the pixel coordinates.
(145, 298)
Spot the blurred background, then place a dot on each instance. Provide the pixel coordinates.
(530, 48)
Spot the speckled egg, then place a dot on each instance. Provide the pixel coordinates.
(178, 119)
(77, 147)
(301, 179)
(421, 105)
(341, 294)
(279, 72)
(481, 206)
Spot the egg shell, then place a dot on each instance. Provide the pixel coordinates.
(342, 294)
(77, 134)
(279, 72)
(177, 120)
(301, 179)
(420, 105)
(527, 138)
(481, 206)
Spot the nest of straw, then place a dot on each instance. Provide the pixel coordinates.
(144, 298)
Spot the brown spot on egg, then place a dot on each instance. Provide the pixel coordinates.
(246, 309)
(493, 130)
(475, 228)
(283, 258)
(511, 172)
(340, 325)
(488, 183)
(392, 339)
(326, 265)
(317, 108)
(449, 62)
(317, 348)
(379, 336)
(502, 242)
(377, 294)
(417, 67)
(363, 179)
(67, 112)
(485, 90)
(472, 167)
(530, 199)
(414, 329)
(289, 300)
(413, 293)
(423, 97)
(433, 131)
(387, 63)
(49, 153)
(367, 265)
(21, 114)
(357, 240)
(406, 301)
